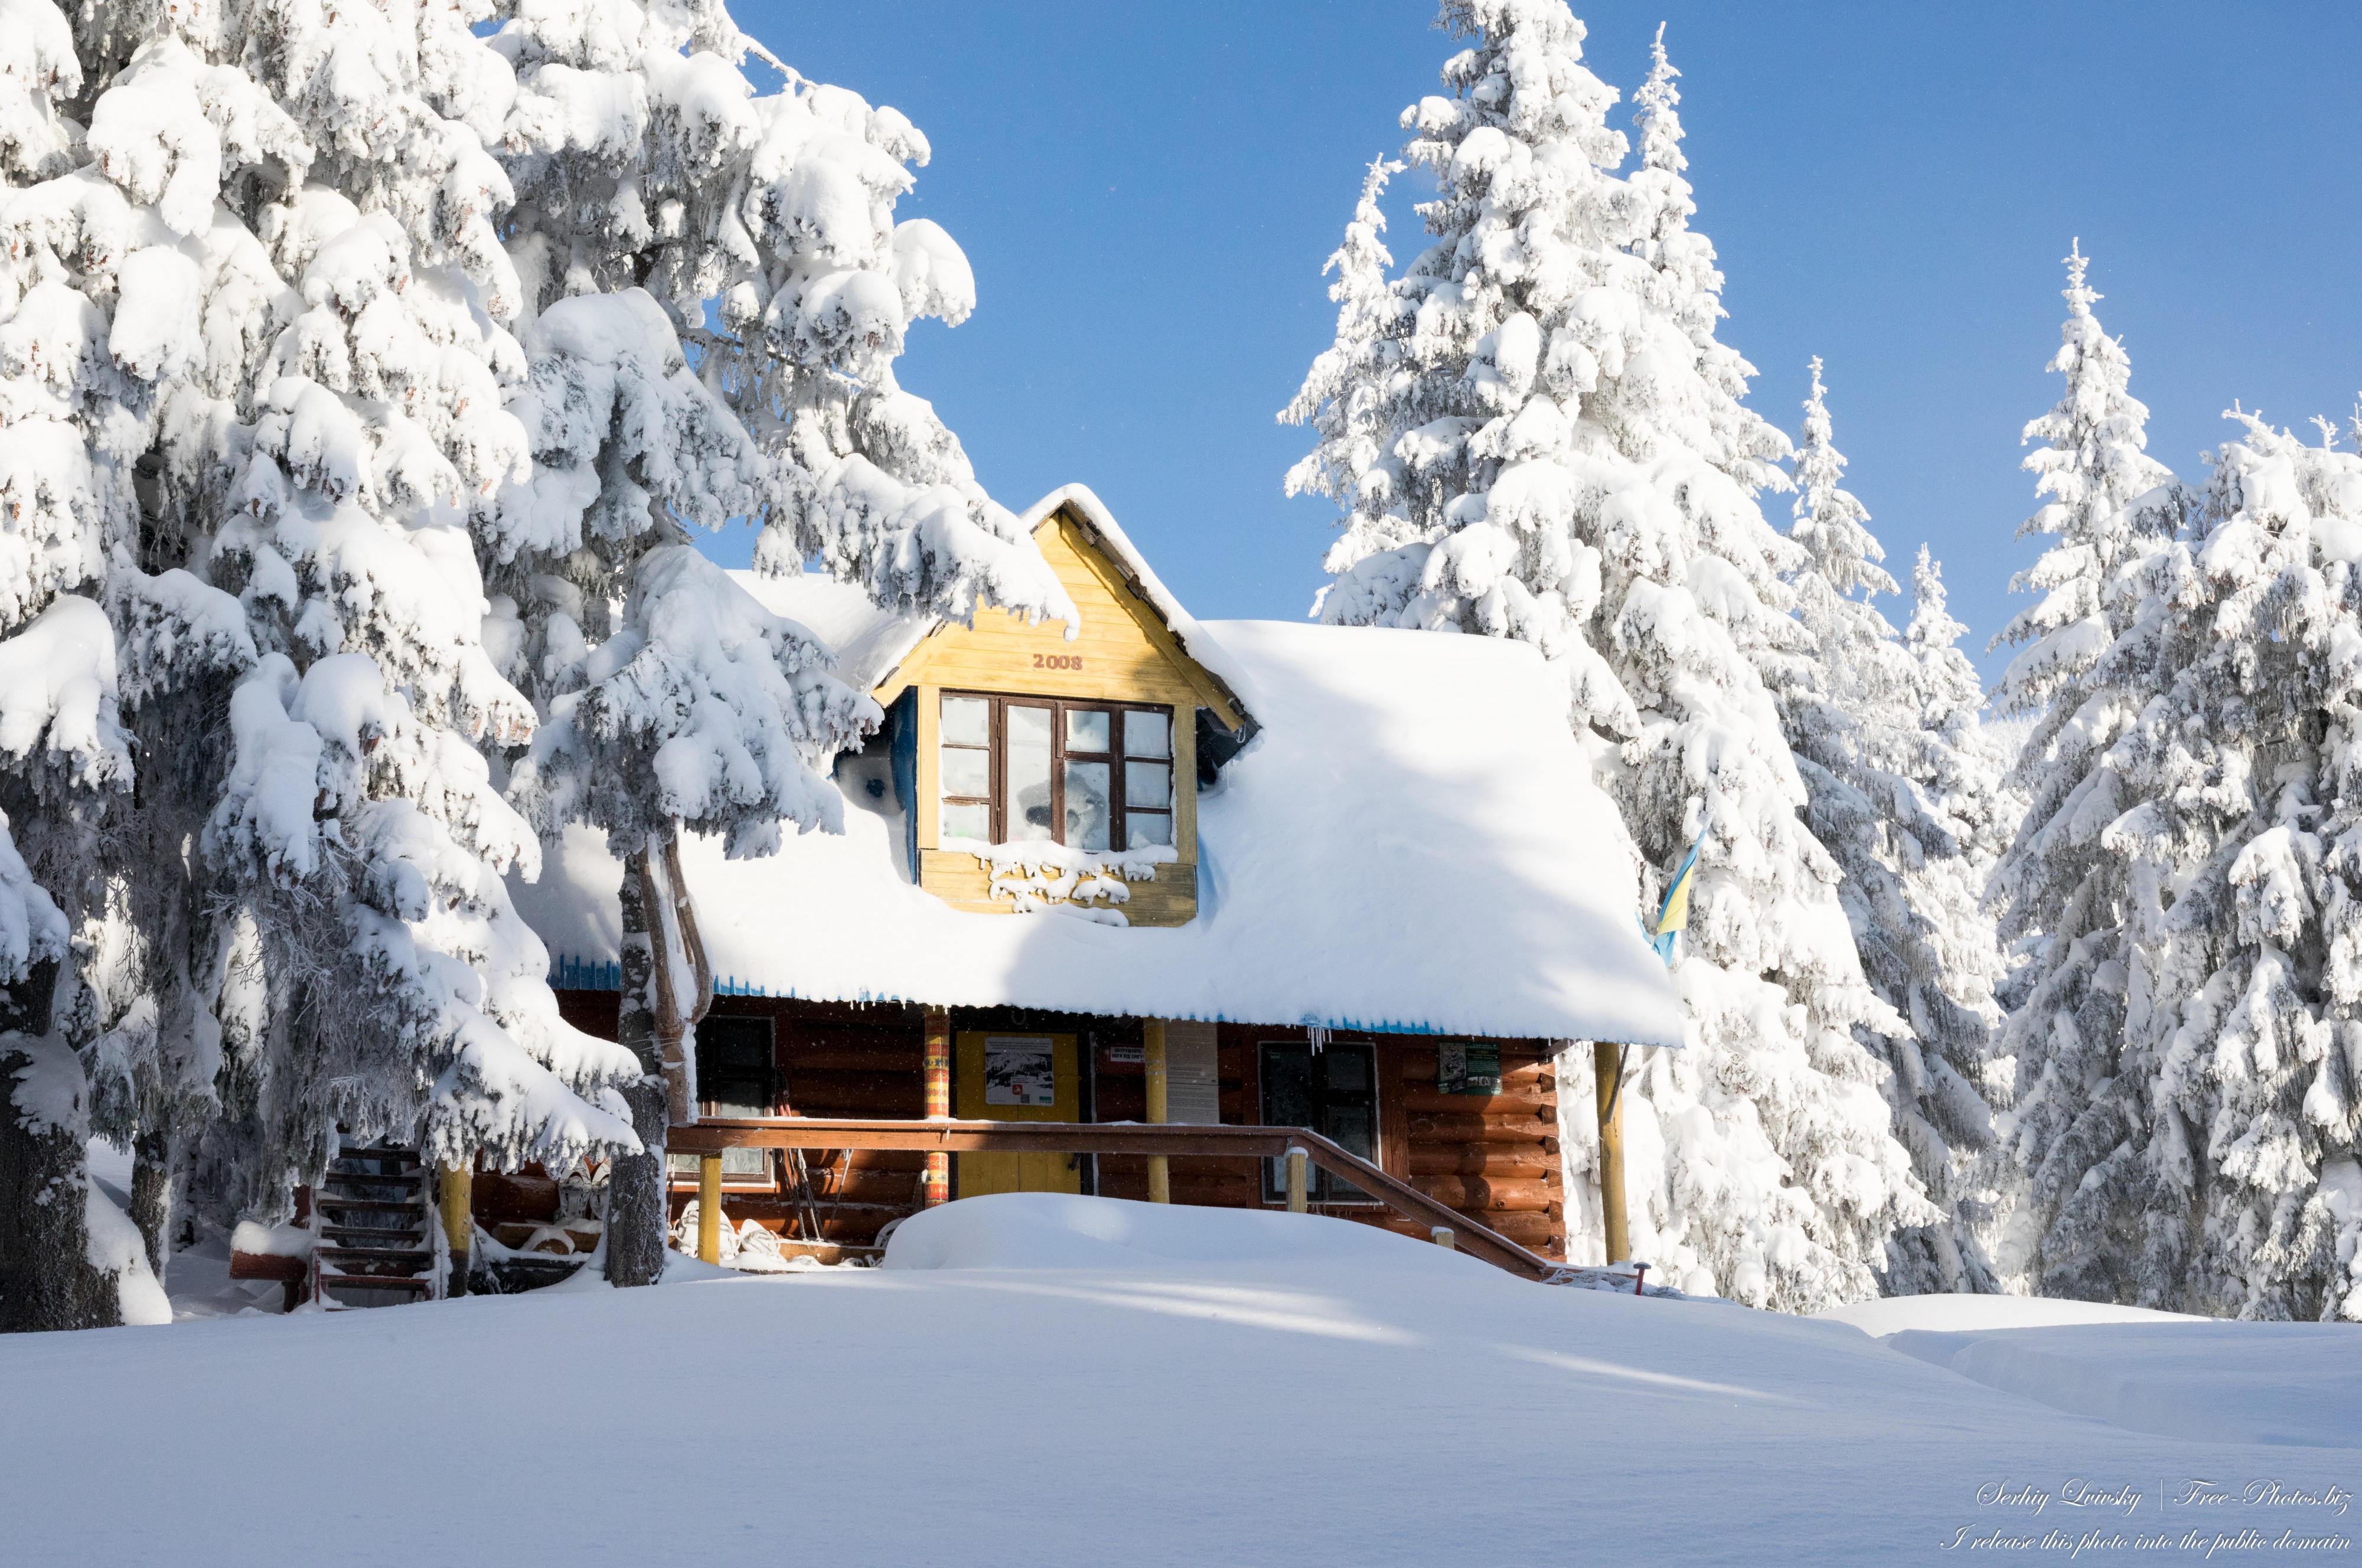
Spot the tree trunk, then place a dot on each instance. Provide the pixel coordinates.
(152, 1194)
(635, 1188)
(45, 1279)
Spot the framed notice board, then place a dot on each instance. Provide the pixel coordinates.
(1468, 1069)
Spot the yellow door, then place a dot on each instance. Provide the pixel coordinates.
(1016, 1078)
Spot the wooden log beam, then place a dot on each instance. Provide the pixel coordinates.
(1478, 1128)
(981, 1137)
(1502, 1162)
(1475, 1195)
(1518, 1100)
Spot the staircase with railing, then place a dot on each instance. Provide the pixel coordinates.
(376, 1245)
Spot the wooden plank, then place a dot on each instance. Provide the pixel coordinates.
(979, 1137)
(268, 1265)
(958, 879)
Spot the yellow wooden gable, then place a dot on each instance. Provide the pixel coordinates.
(1125, 652)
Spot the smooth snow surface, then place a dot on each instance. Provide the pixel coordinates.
(1955, 1314)
(1413, 842)
(1365, 1400)
(2166, 1372)
(1049, 1230)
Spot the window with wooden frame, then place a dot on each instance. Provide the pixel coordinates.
(1334, 1092)
(737, 1076)
(1091, 776)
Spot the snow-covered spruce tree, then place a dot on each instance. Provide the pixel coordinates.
(1900, 787)
(279, 227)
(78, 407)
(1556, 451)
(2232, 1094)
(2062, 894)
(654, 181)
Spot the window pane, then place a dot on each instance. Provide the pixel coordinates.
(737, 1164)
(967, 772)
(1349, 1070)
(968, 821)
(1349, 1127)
(968, 721)
(1148, 785)
(1147, 734)
(1147, 829)
(1029, 775)
(1085, 731)
(1287, 1099)
(1087, 805)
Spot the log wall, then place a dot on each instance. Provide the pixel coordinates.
(1493, 1158)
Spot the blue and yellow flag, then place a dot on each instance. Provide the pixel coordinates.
(1674, 914)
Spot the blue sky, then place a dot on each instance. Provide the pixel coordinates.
(1147, 195)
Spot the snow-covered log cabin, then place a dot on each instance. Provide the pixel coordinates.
(1349, 879)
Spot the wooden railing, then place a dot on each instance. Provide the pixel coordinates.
(711, 1137)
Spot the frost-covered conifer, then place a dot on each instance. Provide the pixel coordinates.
(2231, 1098)
(654, 180)
(2063, 896)
(258, 297)
(1557, 452)
(1900, 786)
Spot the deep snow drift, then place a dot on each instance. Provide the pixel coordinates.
(1056, 1380)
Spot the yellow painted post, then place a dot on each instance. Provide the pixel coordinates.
(1295, 1161)
(1444, 1237)
(1606, 1065)
(455, 1200)
(1152, 1054)
(936, 1061)
(709, 1208)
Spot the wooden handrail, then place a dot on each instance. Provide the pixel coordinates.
(713, 1136)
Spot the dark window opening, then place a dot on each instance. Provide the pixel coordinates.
(1335, 1093)
(737, 1076)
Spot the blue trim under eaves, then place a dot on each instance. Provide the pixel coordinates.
(567, 974)
(606, 975)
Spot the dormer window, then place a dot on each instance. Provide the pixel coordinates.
(1092, 776)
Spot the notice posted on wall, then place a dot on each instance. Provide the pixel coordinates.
(1019, 1070)
(1468, 1069)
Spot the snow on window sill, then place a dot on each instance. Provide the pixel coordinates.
(1044, 878)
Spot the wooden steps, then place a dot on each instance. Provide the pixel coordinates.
(379, 1259)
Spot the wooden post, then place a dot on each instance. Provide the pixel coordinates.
(937, 1063)
(709, 1208)
(1151, 1056)
(1295, 1159)
(1607, 1067)
(1442, 1237)
(455, 1200)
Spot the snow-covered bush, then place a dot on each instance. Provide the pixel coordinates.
(1532, 432)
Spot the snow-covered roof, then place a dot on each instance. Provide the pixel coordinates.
(1412, 843)
(871, 643)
